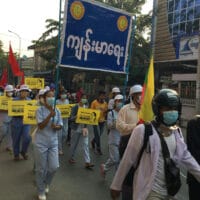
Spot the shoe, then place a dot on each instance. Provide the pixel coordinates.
(89, 165)
(9, 149)
(102, 170)
(42, 197)
(92, 144)
(47, 189)
(72, 161)
(61, 153)
(24, 155)
(16, 158)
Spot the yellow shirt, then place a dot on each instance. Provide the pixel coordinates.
(103, 107)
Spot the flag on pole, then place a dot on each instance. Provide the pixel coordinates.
(4, 78)
(22, 78)
(146, 112)
(13, 63)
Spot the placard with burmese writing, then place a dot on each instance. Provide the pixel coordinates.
(87, 116)
(65, 109)
(34, 83)
(95, 36)
(4, 102)
(29, 116)
(16, 108)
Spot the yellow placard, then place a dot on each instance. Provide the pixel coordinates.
(65, 110)
(34, 83)
(16, 108)
(87, 116)
(4, 103)
(29, 116)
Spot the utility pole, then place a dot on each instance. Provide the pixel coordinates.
(19, 46)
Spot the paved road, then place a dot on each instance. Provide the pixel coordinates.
(72, 182)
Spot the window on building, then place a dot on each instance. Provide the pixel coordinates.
(171, 5)
(190, 14)
(197, 12)
(188, 89)
(197, 2)
(190, 3)
(189, 27)
(176, 17)
(175, 29)
(177, 5)
(182, 28)
(170, 18)
(183, 15)
(183, 4)
(196, 25)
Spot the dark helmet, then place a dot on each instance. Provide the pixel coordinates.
(168, 98)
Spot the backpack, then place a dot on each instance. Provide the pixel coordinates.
(128, 181)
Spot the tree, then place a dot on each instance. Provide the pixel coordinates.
(49, 39)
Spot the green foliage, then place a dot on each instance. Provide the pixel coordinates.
(3, 58)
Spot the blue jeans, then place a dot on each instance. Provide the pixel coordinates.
(20, 134)
(98, 131)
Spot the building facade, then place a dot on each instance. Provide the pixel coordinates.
(177, 25)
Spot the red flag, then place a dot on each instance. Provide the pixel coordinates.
(22, 78)
(4, 78)
(13, 63)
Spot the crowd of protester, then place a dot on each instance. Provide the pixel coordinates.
(126, 135)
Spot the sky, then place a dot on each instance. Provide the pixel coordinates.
(26, 20)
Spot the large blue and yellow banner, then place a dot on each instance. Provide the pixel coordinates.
(95, 37)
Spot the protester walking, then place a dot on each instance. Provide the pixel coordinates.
(79, 132)
(127, 120)
(113, 137)
(115, 91)
(62, 134)
(157, 175)
(101, 105)
(5, 121)
(49, 121)
(20, 132)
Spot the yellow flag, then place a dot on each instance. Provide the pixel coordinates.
(146, 112)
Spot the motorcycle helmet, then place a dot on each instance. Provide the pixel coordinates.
(166, 98)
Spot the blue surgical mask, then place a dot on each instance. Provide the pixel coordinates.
(50, 100)
(170, 117)
(119, 105)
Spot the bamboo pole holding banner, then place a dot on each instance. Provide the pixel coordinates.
(58, 52)
(129, 57)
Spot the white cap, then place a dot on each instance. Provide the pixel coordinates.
(115, 90)
(9, 88)
(47, 88)
(24, 87)
(41, 92)
(135, 89)
(118, 97)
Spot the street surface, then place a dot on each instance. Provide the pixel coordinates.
(71, 182)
